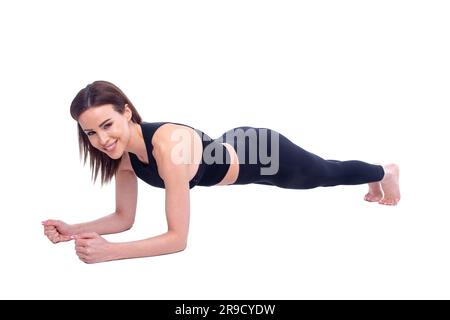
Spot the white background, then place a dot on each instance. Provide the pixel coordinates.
(366, 80)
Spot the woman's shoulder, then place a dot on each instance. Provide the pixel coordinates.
(171, 132)
(179, 138)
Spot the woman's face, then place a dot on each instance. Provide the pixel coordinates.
(107, 129)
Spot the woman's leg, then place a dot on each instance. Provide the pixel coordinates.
(297, 168)
(301, 169)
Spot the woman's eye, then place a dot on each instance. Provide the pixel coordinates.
(90, 133)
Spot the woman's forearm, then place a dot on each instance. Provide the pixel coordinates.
(112, 223)
(168, 242)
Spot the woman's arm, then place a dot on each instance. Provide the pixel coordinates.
(92, 248)
(123, 218)
(177, 214)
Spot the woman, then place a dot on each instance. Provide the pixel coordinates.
(177, 157)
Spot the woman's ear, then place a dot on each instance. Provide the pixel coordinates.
(128, 112)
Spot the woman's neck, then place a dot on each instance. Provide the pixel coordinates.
(136, 143)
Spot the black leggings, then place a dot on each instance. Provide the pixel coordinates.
(291, 166)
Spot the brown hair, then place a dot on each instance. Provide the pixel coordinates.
(93, 95)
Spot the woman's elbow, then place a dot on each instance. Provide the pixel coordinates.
(127, 225)
(125, 220)
(179, 243)
(182, 246)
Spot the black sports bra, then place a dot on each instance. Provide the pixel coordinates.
(207, 174)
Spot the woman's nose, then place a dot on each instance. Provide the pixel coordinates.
(102, 138)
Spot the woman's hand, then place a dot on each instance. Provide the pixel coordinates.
(92, 248)
(57, 231)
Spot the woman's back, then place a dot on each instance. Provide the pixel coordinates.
(193, 144)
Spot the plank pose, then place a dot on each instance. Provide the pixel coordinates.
(178, 157)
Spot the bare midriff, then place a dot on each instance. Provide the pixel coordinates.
(233, 170)
(197, 147)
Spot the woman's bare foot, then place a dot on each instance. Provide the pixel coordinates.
(375, 193)
(390, 185)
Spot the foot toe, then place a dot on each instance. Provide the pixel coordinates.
(372, 198)
(388, 202)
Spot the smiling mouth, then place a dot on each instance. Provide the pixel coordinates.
(111, 146)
